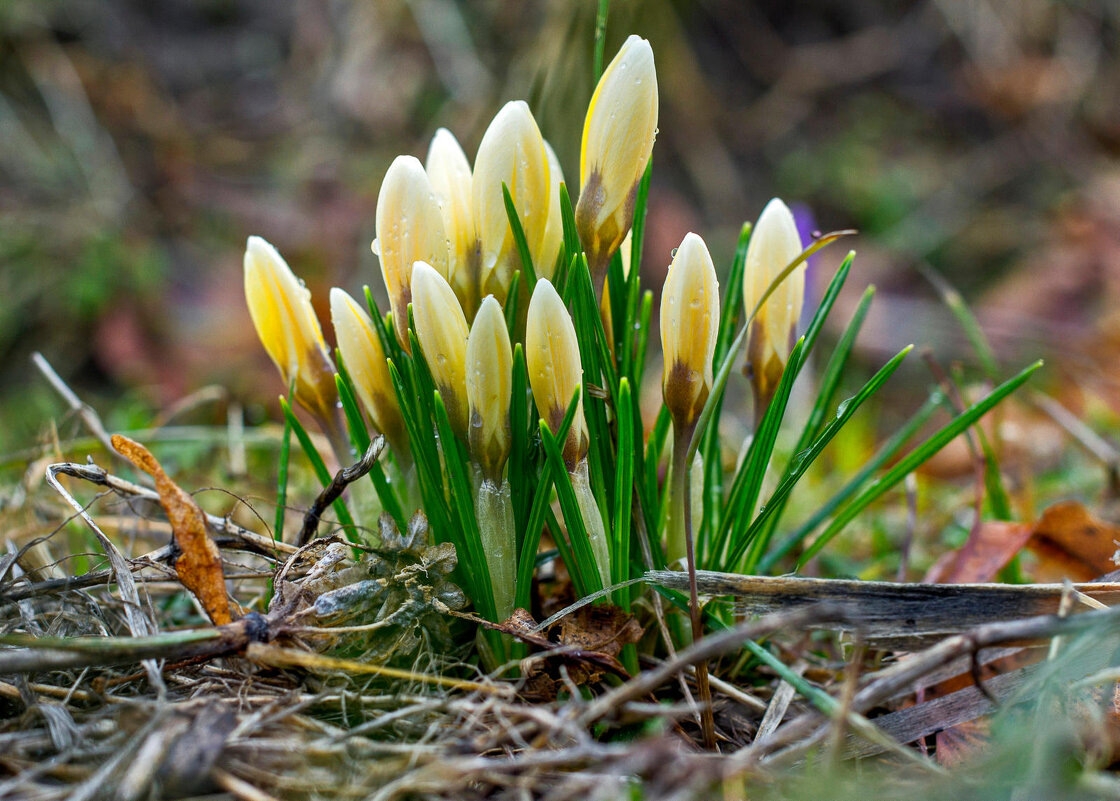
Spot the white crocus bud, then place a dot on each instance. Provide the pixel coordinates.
(289, 329)
(554, 365)
(511, 152)
(450, 174)
(409, 229)
(489, 381)
(774, 243)
(441, 329)
(618, 136)
(689, 326)
(364, 358)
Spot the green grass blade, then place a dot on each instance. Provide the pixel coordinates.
(966, 319)
(519, 236)
(885, 453)
(627, 325)
(623, 485)
(520, 482)
(472, 559)
(803, 460)
(384, 327)
(915, 458)
(512, 301)
(600, 36)
(584, 569)
(747, 484)
(572, 246)
(527, 555)
(282, 472)
(359, 438)
(829, 384)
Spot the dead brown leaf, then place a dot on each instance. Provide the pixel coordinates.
(587, 642)
(990, 546)
(1072, 543)
(199, 563)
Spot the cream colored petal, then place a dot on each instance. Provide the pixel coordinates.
(280, 306)
(365, 360)
(553, 239)
(489, 380)
(511, 152)
(774, 243)
(441, 329)
(409, 229)
(552, 356)
(451, 178)
(689, 326)
(618, 135)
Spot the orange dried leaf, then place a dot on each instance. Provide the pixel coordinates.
(199, 563)
(990, 546)
(1071, 543)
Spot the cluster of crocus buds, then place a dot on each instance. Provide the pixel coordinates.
(448, 256)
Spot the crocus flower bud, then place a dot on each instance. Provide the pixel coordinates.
(450, 174)
(555, 368)
(511, 152)
(365, 361)
(774, 243)
(545, 261)
(442, 331)
(618, 138)
(689, 326)
(489, 387)
(280, 306)
(409, 229)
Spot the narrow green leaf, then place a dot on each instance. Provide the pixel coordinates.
(801, 462)
(888, 451)
(282, 471)
(915, 458)
(319, 467)
(519, 236)
(826, 393)
(462, 507)
(623, 485)
(359, 439)
(512, 300)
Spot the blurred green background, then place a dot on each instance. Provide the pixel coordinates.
(141, 142)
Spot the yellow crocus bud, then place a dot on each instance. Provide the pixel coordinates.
(689, 326)
(555, 368)
(441, 329)
(409, 229)
(489, 387)
(774, 243)
(511, 152)
(544, 262)
(365, 361)
(618, 136)
(280, 306)
(450, 174)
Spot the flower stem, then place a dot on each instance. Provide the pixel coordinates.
(682, 501)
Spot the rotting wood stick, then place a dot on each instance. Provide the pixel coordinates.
(890, 614)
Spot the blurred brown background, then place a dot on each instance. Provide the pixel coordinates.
(141, 142)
